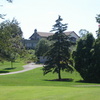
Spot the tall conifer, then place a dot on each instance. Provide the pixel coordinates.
(59, 54)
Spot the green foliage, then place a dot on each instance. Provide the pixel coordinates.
(10, 40)
(96, 62)
(58, 57)
(87, 60)
(59, 27)
(29, 56)
(83, 32)
(83, 54)
(42, 47)
(86, 57)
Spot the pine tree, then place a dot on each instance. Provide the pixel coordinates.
(59, 53)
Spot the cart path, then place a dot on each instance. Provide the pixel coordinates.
(27, 67)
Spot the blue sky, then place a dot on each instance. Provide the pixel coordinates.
(41, 14)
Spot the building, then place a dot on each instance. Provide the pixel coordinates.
(36, 36)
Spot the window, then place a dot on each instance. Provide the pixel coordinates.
(28, 44)
(73, 39)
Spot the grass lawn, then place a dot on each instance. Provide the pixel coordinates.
(6, 67)
(32, 85)
(48, 93)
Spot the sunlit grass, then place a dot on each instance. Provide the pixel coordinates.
(48, 93)
(32, 85)
(6, 67)
(35, 78)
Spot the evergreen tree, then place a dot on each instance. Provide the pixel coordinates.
(58, 56)
(96, 62)
(83, 57)
(87, 57)
(95, 70)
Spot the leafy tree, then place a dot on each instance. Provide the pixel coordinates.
(83, 57)
(30, 56)
(83, 32)
(10, 40)
(42, 47)
(58, 56)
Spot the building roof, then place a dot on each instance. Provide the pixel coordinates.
(68, 33)
(47, 34)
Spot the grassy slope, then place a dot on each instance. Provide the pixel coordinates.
(32, 85)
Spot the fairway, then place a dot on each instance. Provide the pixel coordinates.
(32, 85)
(48, 93)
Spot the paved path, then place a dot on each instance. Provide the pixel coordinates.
(28, 67)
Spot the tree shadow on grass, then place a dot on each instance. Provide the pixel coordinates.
(82, 81)
(3, 71)
(61, 80)
(9, 68)
(6, 70)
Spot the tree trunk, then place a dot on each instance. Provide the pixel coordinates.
(59, 74)
(11, 64)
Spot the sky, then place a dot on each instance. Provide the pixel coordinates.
(41, 14)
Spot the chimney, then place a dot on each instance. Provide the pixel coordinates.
(99, 25)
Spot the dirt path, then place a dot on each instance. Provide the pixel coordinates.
(26, 68)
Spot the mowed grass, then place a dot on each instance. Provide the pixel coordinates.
(6, 67)
(48, 93)
(35, 77)
(32, 85)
